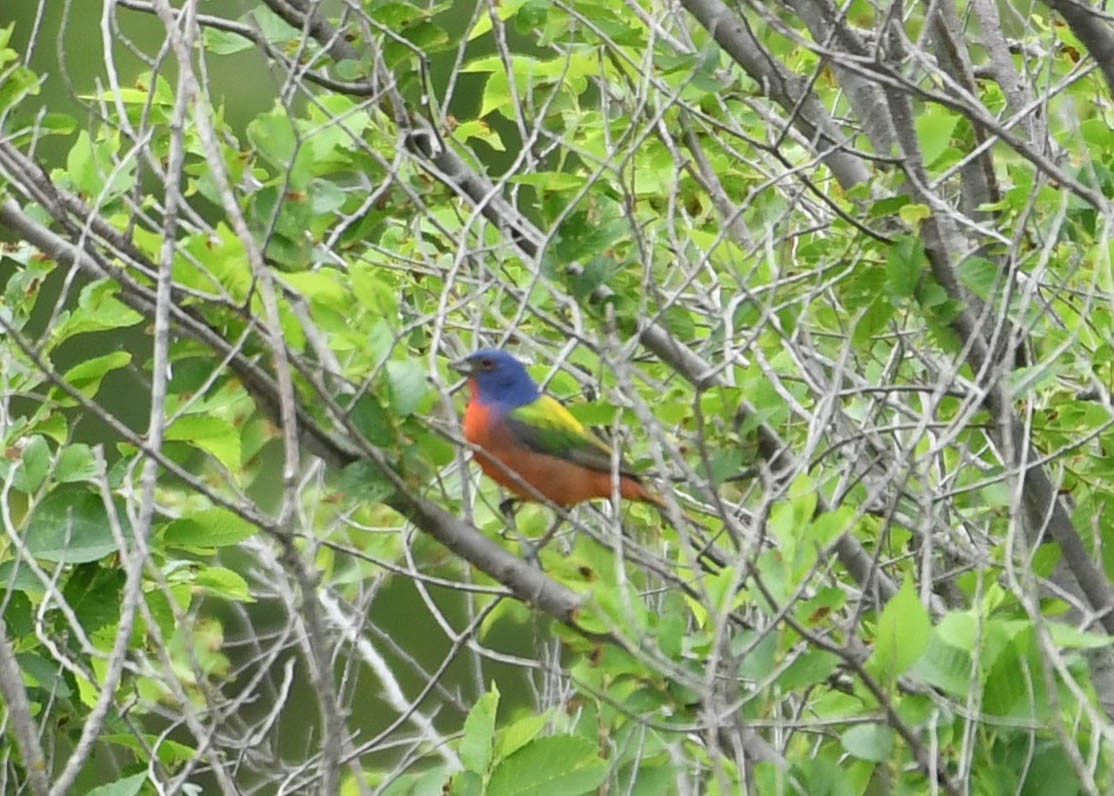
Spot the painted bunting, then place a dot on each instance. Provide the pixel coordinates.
(525, 437)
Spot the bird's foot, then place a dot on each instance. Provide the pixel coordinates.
(530, 552)
(509, 508)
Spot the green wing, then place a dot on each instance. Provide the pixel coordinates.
(548, 427)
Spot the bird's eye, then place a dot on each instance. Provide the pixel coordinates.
(487, 364)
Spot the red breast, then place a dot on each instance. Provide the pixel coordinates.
(557, 480)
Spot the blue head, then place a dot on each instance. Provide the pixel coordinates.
(496, 377)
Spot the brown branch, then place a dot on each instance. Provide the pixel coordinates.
(1005, 74)
(19, 715)
(788, 90)
(524, 581)
(828, 25)
(1042, 507)
(437, 157)
(1093, 30)
(979, 184)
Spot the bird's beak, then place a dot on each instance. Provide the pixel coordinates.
(465, 366)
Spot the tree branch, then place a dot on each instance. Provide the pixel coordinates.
(1092, 30)
(19, 714)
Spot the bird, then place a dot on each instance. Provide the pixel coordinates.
(529, 443)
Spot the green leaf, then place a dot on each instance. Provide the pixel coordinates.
(466, 783)
(94, 169)
(904, 264)
(161, 611)
(497, 95)
(17, 576)
(15, 84)
(213, 527)
(504, 11)
(128, 786)
(43, 673)
(762, 658)
(211, 434)
(980, 276)
(595, 273)
(272, 136)
(437, 781)
(821, 777)
(903, 633)
(362, 481)
(872, 742)
(829, 526)
(372, 420)
(408, 385)
(723, 590)
(324, 288)
(171, 753)
(934, 130)
(945, 667)
(479, 731)
(274, 28)
(809, 668)
(582, 238)
(959, 629)
(223, 582)
(1070, 637)
(76, 463)
(873, 320)
(87, 377)
(223, 42)
(80, 165)
(794, 516)
(1046, 773)
(1013, 684)
(97, 309)
(225, 263)
(34, 462)
(914, 214)
(18, 612)
(93, 593)
(72, 528)
(373, 293)
(726, 462)
(652, 779)
(565, 764)
(670, 631)
(595, 413)
(548, 180)
(681, 322)
(888, 205)
(519, 733)
(275, 138)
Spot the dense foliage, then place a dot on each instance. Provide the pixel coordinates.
(837, 276)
